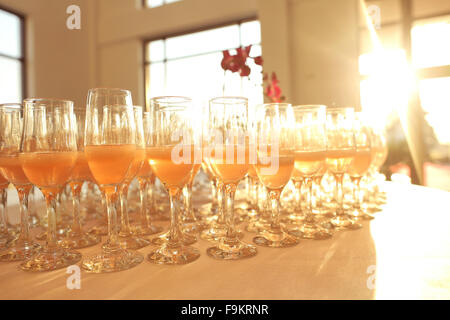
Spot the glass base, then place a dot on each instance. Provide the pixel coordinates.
(147, 230)
(60, 234)
(217, 232)
(256, 226)
(232, 250)
(19, 250)
(314, 232)
(112, 261)
(186, 239)
(275, 238)
(51, 259)
(293, 218)
(99, 230)
(133, 242)
(344, 222)
(173, 255)
(75, 240)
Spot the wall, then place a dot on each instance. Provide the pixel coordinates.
(60, 62)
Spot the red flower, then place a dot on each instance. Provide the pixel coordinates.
(237, 62)
(258, 60)
(273, 90)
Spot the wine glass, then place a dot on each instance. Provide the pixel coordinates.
(310, 156)
(110, 148)
(360, 164)
(127, 239)
(11, 126)
(49, 153)
(274, 166)
(228, 152)
(341, 150)
(75, 237)
(172, 152)
(146, 179)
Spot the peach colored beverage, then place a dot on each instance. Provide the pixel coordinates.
(379, 155)
(338, 161)
(11, 169)
(231, 171)
(3, 182)
(308, 163)
(194, 172)
(172, 175)
(207, 169)
(48, 169)
(145, 170)
(136, 164)
(252, 172)
(361, 163)
(81, 171)
(109, 164)
(281, 177)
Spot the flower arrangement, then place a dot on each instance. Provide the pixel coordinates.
(237, 63)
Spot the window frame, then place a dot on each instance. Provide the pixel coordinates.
(22, 59)
(146, 41)
(406, 23)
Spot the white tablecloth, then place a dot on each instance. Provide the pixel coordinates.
(403, 253)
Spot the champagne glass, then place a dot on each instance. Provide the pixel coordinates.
(110, 148)
(228, 152)
(310, 156)
(49, 153)
(75, 237)
(22, 246)
(360, 164)
(146, 179)
(127, 239)
(274, 166)
(340, 153)
(172, 152)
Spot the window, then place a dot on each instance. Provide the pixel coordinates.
(11, 57)
(189, 64)
(157, 3)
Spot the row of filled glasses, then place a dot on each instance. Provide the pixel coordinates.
(49, 144)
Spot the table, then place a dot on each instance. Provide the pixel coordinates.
(403, 253)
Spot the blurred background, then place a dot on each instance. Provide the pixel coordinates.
(389, 57)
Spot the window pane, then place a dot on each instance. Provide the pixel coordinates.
(430, 42)
(10, 35)
(10, 80)
(156, 80)
(154, 3)
(155, 51)
(435, 100)
(250, 33)
(203, 42)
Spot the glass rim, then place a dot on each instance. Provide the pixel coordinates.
(107, 89)
(42, 100)
(11, 105)
(337, 109)
(171, 99)
(228, 100)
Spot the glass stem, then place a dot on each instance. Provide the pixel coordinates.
(23, 208)
(76, 194)
(230, 191)
(309, 218)
(214, 194)
(275, 212)
(220, 204)
(124, 218)
(356, 193)
(298, 197)
(112, 243)
(51, 201)
(174, 229)
(3, 213)
(188, 210)
(151, 197)
(339, 195)
(143, 185)
(318, 193)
